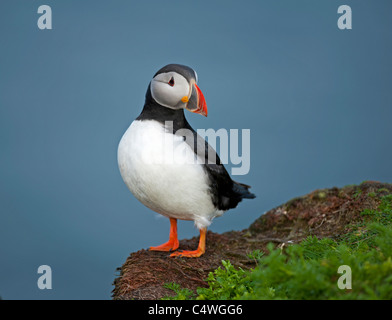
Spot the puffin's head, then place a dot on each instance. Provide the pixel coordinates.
(174, 86)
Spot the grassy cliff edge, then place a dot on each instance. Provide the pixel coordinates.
(293, 251)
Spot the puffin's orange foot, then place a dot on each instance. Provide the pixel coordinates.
(196, 253)
(173, 242)
(171, 245)
(188, 254)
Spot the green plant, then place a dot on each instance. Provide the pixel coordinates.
(181, 293)
(255, 255)
(225, 284)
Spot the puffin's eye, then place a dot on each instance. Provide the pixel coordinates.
(171, 82)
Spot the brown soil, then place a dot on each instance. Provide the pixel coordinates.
(322, 213)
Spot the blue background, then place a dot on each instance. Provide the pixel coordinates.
(316, 99)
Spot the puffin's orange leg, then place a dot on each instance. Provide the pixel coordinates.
(173, 243)
(196, 253)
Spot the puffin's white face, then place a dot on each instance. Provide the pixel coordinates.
(174, 86)
(171, 90)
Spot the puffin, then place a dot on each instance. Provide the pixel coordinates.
(169, 167)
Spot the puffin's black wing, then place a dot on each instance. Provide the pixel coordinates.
(226, 193)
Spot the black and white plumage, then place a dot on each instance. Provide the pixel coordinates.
(157, 153)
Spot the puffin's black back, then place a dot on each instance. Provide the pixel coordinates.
(226, 193)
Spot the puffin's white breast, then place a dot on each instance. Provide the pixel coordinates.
(159, 169)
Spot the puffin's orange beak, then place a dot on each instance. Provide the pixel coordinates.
(197, 103)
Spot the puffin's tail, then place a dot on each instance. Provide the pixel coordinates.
(243, 190)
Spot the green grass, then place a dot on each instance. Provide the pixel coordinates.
(309, 270)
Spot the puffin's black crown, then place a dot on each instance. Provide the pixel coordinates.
(187, 72)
